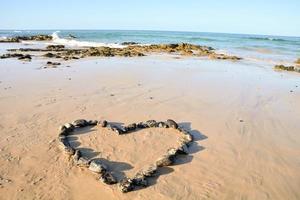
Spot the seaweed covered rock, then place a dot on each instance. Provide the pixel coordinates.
(27, 38)
(287, 68)
(12, 55)
(55, 47)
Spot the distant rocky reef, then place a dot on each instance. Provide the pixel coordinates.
(27, 38)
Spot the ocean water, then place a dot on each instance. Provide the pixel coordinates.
(272, 49)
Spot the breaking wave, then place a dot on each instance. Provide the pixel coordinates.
(76, 43)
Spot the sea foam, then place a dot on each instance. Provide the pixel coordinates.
(76, 43)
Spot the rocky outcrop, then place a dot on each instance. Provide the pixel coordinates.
(24, 57)
(184, 49)
(287, 68)
(297, 61)
(27, 38)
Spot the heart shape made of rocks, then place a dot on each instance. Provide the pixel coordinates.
(140, 178)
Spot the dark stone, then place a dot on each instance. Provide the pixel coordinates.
(183, 149)
(162, 125)
(80, 123)
(140, 180)
(129, 43)
(142, 125)
(55, 47)
(165, 160)
(171, 123)
(97, 167)
(49, 55)
(108, 178)
(149, 171)
(151, 123)
(130, 127)
(53, 63)
(126, 185)
(92, 122)
(25, 57)
(103, 123)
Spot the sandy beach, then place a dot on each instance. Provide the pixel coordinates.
(244, 117)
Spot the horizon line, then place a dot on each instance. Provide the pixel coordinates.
(154, 30)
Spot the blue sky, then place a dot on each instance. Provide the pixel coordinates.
(271, 17)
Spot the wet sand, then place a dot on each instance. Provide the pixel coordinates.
(244, 118)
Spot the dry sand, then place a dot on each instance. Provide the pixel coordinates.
(243, 116)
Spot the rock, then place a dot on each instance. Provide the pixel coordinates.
(171, 123)
(103, 123)
(80, 123)
(130, 127)
(12, 55)
(140, 180)
(70, 127)
(162, 125)
(53, 63)
(97, 167)
(92, 122)
(25, 57)
(126, 185)
(129, 43)
(287, 68)
(55, 47)
(50, 55)
(66, 129)
(172, 152)
(165, 160)
(116, 129)
(119, 130)
(182, 130)
(63, 131)
(142, 125)
(298, 61)
(186, 139)
(149, 171)
(108, 178)
(151, 123)
(82, 162)
(223, 57)
(25, 38)
(183, 149)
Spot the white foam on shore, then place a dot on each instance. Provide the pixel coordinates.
(76, 43)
